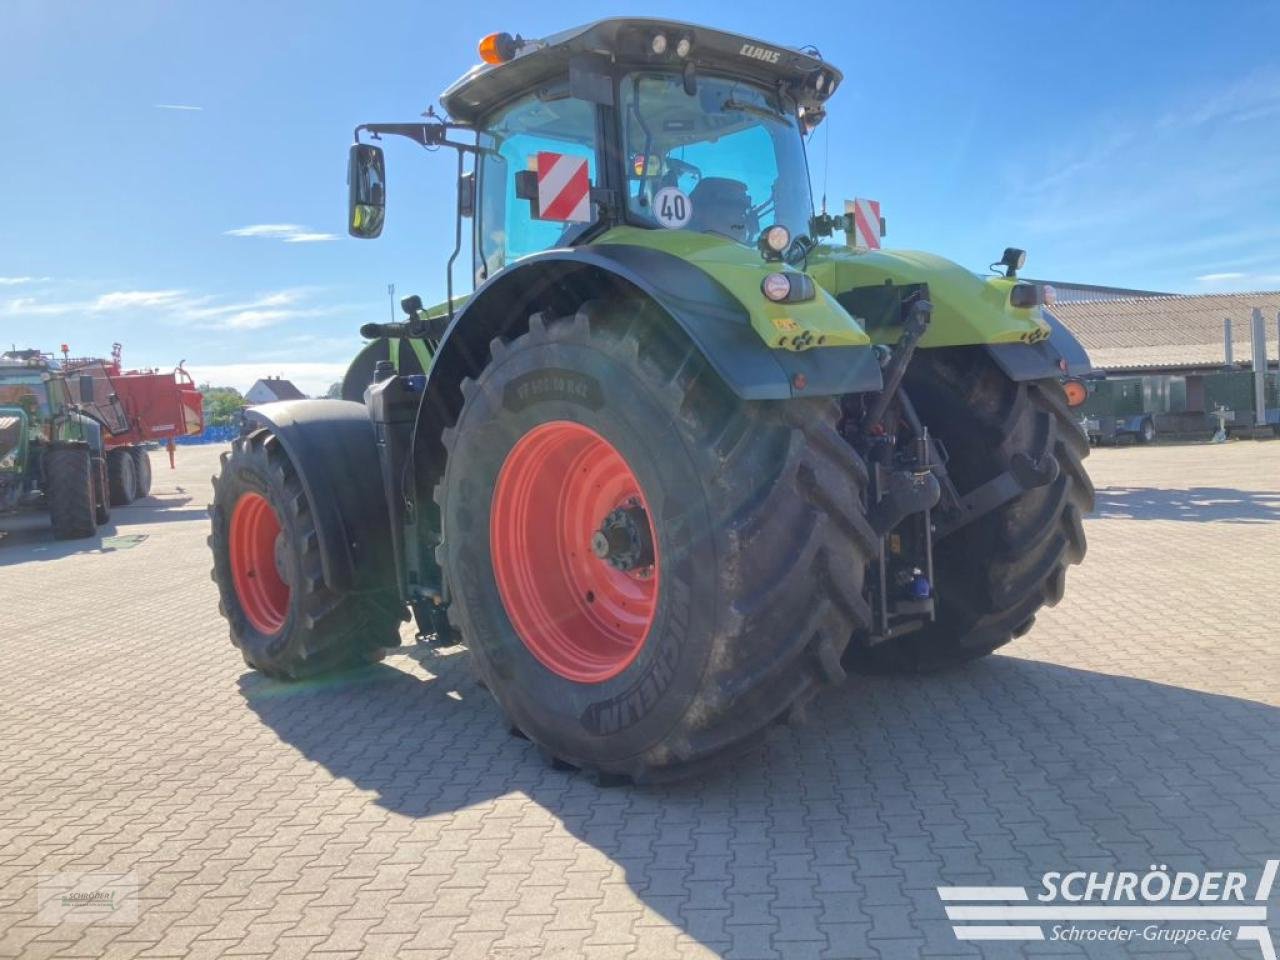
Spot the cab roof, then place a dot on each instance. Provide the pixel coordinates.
(626, 40)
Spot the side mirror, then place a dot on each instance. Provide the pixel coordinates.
(86, 389)
(467, 195)
(366, 191)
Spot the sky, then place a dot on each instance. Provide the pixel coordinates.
(172, 172)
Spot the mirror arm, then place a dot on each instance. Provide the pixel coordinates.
(423, 134)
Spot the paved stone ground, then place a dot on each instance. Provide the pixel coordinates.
(387, 814)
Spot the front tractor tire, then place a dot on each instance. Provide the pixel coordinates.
(286, 621)
(994, 574)
(648, 570)
(69, 491)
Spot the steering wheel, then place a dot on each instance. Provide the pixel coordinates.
(682, 168)
(677, 168)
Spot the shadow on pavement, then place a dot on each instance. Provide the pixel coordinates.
(1199, 504)
(27, 535)
(840, 829)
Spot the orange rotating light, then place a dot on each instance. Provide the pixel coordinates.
(498, 48)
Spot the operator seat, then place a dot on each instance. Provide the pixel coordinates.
(721, 205)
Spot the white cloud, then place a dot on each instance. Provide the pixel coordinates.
(205, 311)
(1251, 97)
(17, 281)
(134, 299)
(256, 319)
(103, 303)
(309, 237)
(177, 106)
(1236, 281)
(288, 232)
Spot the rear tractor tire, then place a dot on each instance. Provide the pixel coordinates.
(141, 471)
(68, 479)
(286, 621)
(648, 570)
(994, 574)
(122, 480)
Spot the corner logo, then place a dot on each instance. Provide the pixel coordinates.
(1159, 906)
(760, 53)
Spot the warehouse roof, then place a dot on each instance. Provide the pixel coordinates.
(1143, 333)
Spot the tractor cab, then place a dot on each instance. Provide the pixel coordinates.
(641, 123)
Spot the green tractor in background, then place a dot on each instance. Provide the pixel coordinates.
(51, 452)
(679, 460)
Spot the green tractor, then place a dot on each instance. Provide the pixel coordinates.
(51, 452)
(678, 460)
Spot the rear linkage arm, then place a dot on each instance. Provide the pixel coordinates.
(902, 498)
(1024, 473)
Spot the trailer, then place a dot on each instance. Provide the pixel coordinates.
(1140, 408)
(137, 408)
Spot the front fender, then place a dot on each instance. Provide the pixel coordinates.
(333, 450)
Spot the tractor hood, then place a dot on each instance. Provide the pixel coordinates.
(967, 308)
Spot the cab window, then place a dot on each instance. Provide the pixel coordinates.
(728, 159)
(548, 121)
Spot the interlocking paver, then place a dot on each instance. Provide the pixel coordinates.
(387, 813)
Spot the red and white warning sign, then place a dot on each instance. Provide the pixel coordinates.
(866, 223)
(564, 189)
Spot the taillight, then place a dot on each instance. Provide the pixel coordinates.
(1077, 393)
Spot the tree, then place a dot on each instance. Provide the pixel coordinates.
(335, 391)
(222, 405)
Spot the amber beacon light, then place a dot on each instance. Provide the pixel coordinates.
(498, 48)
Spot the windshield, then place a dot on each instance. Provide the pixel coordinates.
(24, 389)
(728, 159)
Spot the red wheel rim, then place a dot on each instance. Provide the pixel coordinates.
(582, 617)
(263, 594)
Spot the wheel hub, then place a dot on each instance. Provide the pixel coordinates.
(625, 539)
(573, 552)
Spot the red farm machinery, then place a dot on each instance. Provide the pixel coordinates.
(135, 408)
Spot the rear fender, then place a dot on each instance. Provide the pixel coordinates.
(1027, 343)
(332, 447)
(558, 281)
